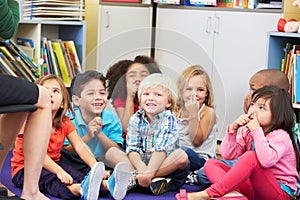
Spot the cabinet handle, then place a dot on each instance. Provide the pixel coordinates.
(217, 24)
(208, 25)
(108, 19)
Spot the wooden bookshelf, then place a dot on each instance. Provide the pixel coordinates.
(275, 52)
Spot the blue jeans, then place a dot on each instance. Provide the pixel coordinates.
(202, 178)
(196, 161)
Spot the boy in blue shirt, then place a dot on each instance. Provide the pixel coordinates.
(99, 128)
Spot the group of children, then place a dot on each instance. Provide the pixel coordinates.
(170, 131)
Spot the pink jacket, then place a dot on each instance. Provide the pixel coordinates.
(274, 150)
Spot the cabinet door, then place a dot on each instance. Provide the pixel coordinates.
(240, 43)
(183, 38)
(124, 32)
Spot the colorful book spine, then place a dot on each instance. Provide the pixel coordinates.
(61, 61)
(74, 56)
(297, 80)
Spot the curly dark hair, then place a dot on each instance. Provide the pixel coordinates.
(116, 76)
(146, 60)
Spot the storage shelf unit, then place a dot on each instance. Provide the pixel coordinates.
(275, 50)
(65, 30)
(275, 47)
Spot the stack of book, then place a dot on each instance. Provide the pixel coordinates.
(57, 57)
(60, 58)
(52, 10)
(291, 67)
(15, 62)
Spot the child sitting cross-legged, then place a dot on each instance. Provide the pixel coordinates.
(59, 179)
(152, 151)
(269, 160)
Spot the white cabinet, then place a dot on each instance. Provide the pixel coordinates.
(231, 46)
(123, 33)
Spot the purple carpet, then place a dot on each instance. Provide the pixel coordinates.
(5, 178)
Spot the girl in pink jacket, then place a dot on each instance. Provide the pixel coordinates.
(269, 162)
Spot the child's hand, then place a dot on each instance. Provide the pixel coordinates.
(132, 89)
(106, 175)
(192, 106)
(253, 123)
(64, 177)
(94, 126)
(240, 121)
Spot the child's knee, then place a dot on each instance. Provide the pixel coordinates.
(182, 160)
(111, 153)
(250, 156)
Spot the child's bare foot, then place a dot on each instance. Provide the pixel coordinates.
(35, 196)
(198, 196)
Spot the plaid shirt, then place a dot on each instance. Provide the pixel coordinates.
(159, 135)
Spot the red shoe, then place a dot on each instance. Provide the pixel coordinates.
(182, 195)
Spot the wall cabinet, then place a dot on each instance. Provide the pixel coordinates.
(123, 33)
(65, 30)
(230, 45)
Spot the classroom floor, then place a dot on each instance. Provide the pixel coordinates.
(5, 177)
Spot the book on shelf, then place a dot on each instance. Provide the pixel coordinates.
(286, 50)
(18, 53)
(53, 60)
(56, 46)
(6, 66)
(27, 46)
(23, 70)
(297, 80)
(291, 67)
(73, 55)
(58, 57)
(25, 42)
(16, 62)
(67, 59)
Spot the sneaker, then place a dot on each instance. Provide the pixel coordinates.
(192, 178)
(297, 191)
(119, 180)
(132, 182)
(159, 186)
(91, 183)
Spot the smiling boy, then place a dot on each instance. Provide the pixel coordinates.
(99, 128)
(152, 139)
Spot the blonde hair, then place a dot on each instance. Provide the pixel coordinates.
(66, 102)
(158, 79)
(184, 78)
